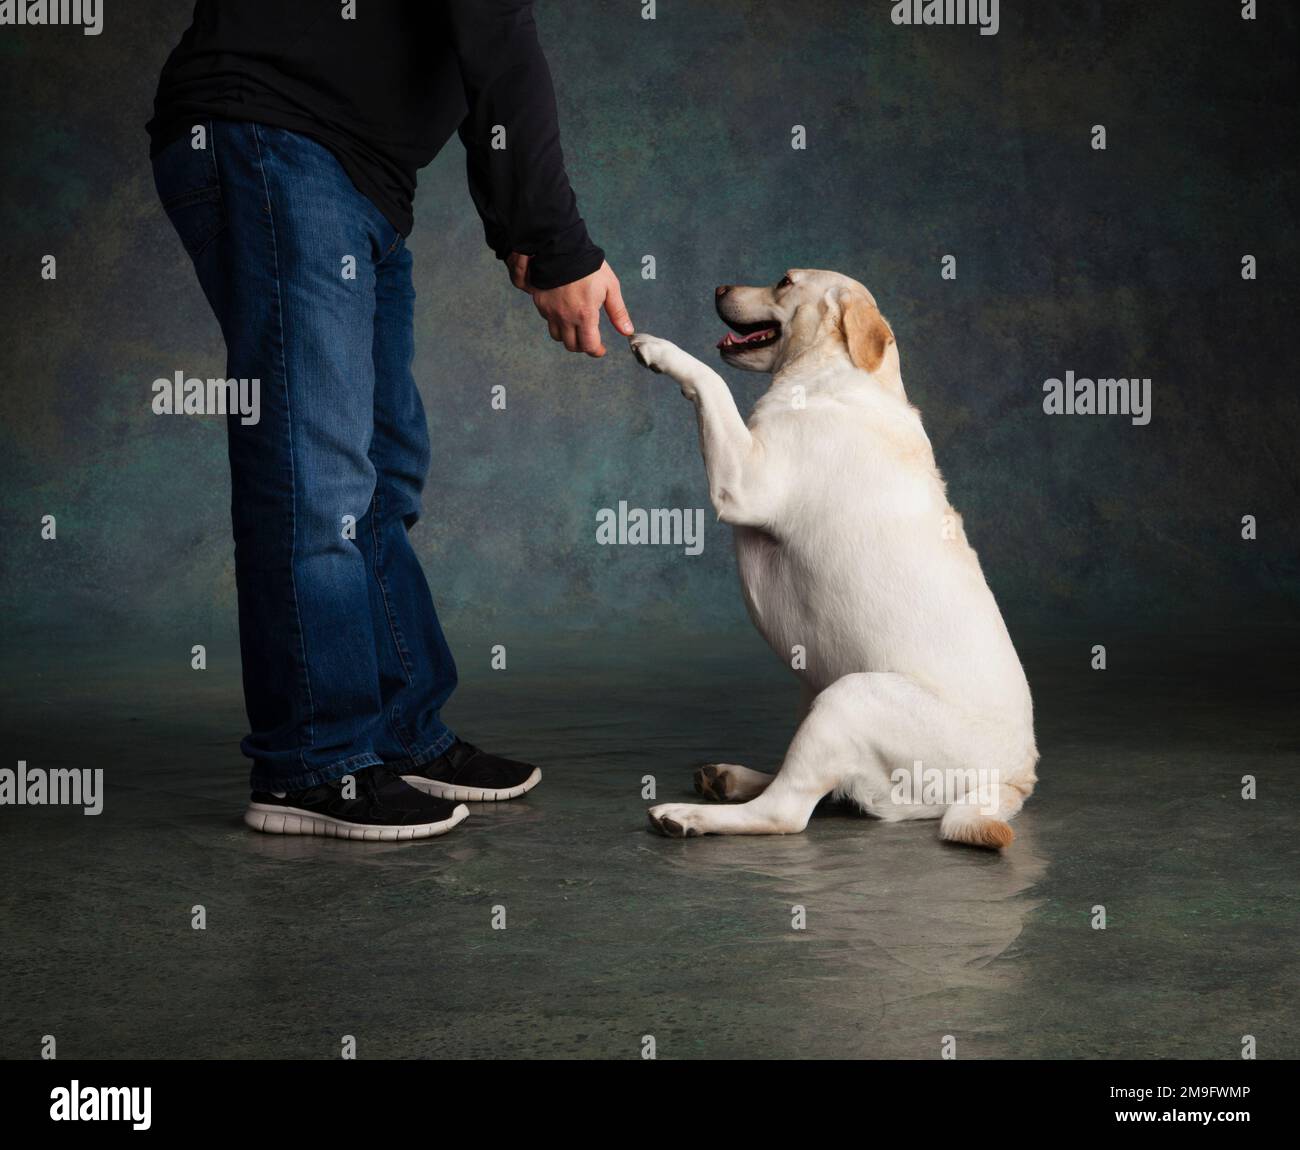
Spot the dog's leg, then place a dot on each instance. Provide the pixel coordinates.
(821, 758)
(729, 782)
(732, 456)
(732, 783)
(859, 734)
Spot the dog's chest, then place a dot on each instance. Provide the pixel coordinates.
(770, 584)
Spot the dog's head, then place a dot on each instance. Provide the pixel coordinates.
(807, 313)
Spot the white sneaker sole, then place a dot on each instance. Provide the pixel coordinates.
(274, 820)
(472, 794)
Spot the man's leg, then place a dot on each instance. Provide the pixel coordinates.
(301, 477)
(286, 250)
(416, 671)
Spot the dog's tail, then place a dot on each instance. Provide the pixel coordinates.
(980, 820)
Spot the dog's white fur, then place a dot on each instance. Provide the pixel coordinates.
(848, 549)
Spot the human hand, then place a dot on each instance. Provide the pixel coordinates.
(572, 311)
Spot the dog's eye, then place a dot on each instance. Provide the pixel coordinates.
(786, 281)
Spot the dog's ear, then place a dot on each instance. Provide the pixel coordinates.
(865, 331)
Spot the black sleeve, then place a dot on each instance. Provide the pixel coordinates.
(521, 191)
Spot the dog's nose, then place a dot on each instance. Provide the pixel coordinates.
(722, 290)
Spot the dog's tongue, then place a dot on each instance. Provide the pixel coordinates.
(731, 339)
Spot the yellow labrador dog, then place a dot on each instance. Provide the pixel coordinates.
(858, 574)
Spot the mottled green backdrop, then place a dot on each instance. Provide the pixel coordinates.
(920, 143)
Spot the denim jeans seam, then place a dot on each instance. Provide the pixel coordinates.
(293, 477)
(212, 143)
(433, 750)
(315, 778)
(391, 250)
(399, 729)
(210, 127)
(394, 715)
(402, 652)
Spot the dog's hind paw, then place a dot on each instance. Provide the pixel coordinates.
(729, 782)
(713, 781)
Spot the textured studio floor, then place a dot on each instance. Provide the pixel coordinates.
(613, 933)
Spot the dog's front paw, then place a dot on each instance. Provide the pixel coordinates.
(676, 820)
(651, 351)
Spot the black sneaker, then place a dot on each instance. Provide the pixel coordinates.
(382, 809)
(465, 774)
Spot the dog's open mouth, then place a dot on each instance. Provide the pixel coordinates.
(744, 336)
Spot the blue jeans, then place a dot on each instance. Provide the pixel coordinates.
(345, 664)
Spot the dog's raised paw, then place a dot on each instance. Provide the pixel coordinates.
(649, 350)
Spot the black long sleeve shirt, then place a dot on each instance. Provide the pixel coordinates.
(385, 91)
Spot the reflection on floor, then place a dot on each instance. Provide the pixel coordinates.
(612, 933)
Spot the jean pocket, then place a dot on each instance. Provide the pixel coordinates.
(189, 187)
